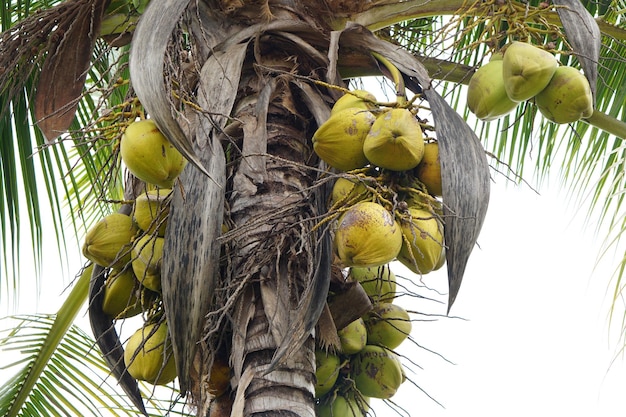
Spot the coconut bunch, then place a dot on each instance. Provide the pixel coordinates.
(386, 204)
(130, 249)
(364, 366)
(527, 72)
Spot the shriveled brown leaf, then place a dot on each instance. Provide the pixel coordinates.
(196, 215)
(65, 69)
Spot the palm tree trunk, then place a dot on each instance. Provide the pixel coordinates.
(272, 204)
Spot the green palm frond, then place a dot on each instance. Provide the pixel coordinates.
(67, 173)
(75, 381)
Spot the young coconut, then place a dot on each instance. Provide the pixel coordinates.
(149, 156)
(422, 245)
(526, 70)
(486, 93)
(339, 140)
(395, 141)
(367, 235)
(343, 405)
(567, 98)
(326, 371)
(353, 337)
(148, 355)
(107, 243)
(357, 99)
(378, 282)
(387, 325)
(377, 372)
(429, 169)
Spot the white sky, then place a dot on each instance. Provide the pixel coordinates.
(536, 340)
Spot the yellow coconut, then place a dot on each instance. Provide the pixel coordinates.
(148, 355)
(423, 241)
(567, 98)
(395, 141)
(151, 210)
(339, 140)
(526, 70)
(348, 191)
(146, 260)
(367, 235)
(149, 156)
(429, 169)
(120, 294)
(107, 243)
(486, 93)
(357, 99)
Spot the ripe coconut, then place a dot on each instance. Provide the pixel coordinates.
(345, 191)
(147, 253)
(107, 243)
(339, 140)
(149, 156)
(359, 99)
(526, 70)
(429, 169)
(486, 93)
(367, 235)
(422, 245)
(148, 355)
(567, 98)
(395, 141)
(219, 376)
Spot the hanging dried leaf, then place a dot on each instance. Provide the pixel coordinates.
(108, 340)
(196, 215)
(464, 168)
(191, 257)
(465, 182)
(65, 69)
(584, 35)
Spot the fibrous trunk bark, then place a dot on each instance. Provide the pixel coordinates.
(274, 254)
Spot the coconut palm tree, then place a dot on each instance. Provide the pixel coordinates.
(239, 88)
